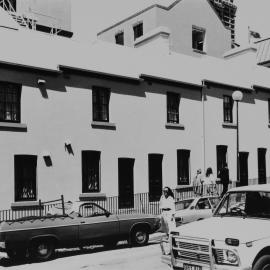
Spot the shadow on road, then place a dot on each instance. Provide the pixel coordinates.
(62, 253)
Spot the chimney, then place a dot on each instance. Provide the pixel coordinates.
(156, 40)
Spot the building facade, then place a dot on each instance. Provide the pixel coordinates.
(195, 28)
(115, 121)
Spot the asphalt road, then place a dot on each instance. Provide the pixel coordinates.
(97, 258)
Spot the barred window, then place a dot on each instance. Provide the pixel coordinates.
(119, 38)
(90, 171)
(138, 30)
(10, 102)
(227, 109)
(173, 100)
(101, 98)
(25, 177)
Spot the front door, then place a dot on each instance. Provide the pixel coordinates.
(125, 182)
(155, 176)
(261, 166)
(243, 168)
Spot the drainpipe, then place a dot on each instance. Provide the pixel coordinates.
(203, 125)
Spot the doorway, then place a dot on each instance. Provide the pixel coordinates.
(243, 168)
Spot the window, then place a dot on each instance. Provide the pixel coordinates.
(25, 177)
(101, 98)
(155, 176)
(198, 38)
(261, 166)
(90, 171)
(173, 101)
(138, 30)
(10, 102)
(183, 166)
(221, 157)
(227, 109)
(119, 38)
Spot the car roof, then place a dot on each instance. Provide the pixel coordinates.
(263, 187)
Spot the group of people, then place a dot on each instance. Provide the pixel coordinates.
(208, 180)
(167, 202)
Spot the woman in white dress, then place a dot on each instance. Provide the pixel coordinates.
(167, 206)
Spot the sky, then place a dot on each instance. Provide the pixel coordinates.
(91, 16)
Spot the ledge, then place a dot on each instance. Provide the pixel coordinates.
(174, 126)
(184, 187)
(104, 125)
(92, 196)
(25, 205)
(229, 125)
(198, 51)
(13, 126)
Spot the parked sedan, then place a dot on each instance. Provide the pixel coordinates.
(195, 209)
(86, 223)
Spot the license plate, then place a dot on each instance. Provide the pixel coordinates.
(192, 267)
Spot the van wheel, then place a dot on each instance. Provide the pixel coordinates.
(16, 254)
(42, 250)
(139, 236)
(263, 263)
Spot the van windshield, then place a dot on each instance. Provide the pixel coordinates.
(245, 204)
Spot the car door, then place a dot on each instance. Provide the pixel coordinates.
(203, 209)
(96, 223)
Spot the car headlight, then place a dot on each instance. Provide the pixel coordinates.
(2, 245)
(225, 256)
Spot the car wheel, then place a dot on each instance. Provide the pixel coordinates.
(16, 254)
(42, 250)
(263, 263)
(139, 236)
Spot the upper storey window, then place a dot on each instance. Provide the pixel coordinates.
(10, 102)
(119, 38)
(138, 30)
(198, 38)
(101, 97)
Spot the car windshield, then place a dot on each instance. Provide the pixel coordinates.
(181, 205)
(245, 204)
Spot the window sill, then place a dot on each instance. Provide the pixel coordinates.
(183, 187)
(25, 205)
(104, 125)
(229, 125)
(13, 126)
(92, 196)
(174, 126)
(199, 51)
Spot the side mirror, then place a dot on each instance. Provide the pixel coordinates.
(107, 214)
(192, 207)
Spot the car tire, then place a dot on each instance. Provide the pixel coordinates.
(139, 236)
(16, 254)
(42, 250)
(263, 263)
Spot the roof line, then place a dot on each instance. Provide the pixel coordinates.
(22, 66)
(99, 73)
(208, 82)
(169, 81)
(138, 13)
(260, 87)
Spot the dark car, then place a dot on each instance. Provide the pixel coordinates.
(86, 223)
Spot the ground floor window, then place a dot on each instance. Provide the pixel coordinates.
(90, 171)
(183, 166)
(25, 177)
(261, 166)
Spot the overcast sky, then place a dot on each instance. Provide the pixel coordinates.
(91, 16)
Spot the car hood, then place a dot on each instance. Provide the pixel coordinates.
(219, 228)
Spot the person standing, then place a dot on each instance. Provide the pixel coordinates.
(224, 178)
(167, 207)
(209, 181)
(197, 182)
